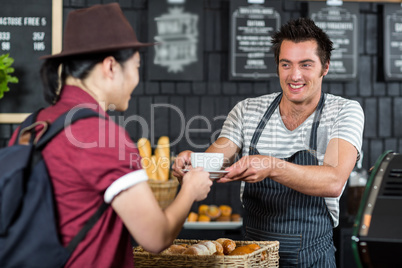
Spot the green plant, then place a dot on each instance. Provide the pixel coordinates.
(5, 71)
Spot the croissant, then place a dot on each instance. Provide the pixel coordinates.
(228, 245)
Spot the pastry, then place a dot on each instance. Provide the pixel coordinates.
(253, 246)
(219, 248)
(202, 209)
(242, 250)
(175, 249)
(213, 212)
(228, 245)
(211, 246)
(225, 210)
(223, 218)
(197, 249)
(192, 217)
(204, 218)
(235, 217)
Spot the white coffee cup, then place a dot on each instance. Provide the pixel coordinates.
(209, 161)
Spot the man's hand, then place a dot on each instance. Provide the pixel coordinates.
(182, 161)
(250, 168)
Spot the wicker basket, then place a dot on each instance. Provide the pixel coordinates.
(164, 192)
(143, 258)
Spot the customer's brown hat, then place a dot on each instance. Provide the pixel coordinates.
(99, 28)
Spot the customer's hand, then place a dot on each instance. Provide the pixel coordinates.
(197, 182)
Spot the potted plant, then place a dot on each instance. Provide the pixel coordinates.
(5, 73)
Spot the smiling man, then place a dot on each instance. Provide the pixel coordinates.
(298, 149)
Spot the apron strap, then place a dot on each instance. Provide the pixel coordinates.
(316, 122)
(270, 111)
(264, 121)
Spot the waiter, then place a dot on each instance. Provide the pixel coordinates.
(298, 148)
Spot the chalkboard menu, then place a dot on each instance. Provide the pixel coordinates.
(25, 34)
(252, 25)
(177, 25)
(393, 42)
(340, 23)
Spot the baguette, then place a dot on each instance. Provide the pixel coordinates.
(153, 168)
(145, 150)
(162, 155)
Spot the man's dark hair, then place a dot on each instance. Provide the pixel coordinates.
(299, 30)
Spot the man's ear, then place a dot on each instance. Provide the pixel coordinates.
(325, 69)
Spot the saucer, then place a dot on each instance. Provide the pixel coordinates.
(213, 174)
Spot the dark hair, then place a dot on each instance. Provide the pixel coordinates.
(299, 30)
(78, 66)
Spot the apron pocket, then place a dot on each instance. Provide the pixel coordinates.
(289, 244)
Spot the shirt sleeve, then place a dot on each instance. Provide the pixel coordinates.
(349, 125)
(233, 126)
(124, 183)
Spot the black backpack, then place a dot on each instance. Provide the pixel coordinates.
(28, 229)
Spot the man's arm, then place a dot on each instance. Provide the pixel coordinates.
(227, 147)
(327, 180)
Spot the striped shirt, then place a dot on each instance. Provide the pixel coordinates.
(341, 118)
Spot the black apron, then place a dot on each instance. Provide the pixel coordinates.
(301, 223)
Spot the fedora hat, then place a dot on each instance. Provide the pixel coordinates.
(99, 28)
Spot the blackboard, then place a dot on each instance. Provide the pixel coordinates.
(178, 28)
(26, 35)
(393, 42)
(252, 26)
(341, 25)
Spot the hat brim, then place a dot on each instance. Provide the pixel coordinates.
(101, 50)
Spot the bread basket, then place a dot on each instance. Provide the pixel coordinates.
(145, 259)
(164, 191)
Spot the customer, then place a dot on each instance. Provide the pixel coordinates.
(298, 148)
(100, 62)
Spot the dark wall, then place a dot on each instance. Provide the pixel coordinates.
(215, 95)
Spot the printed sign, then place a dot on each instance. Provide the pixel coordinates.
(393, 42)
(340, 23)
(177, 27)
(252, 25)
(25, 34)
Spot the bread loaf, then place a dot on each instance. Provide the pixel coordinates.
(145, 150)
(228, 245)
(162, 155)
(246, 249)
(175, 249)
(219, 248)
(211, 246)
(197, 249)
(153, 169)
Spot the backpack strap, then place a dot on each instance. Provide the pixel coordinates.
(63, 121)
(58, 125)
(31, 119)
(88, 226)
